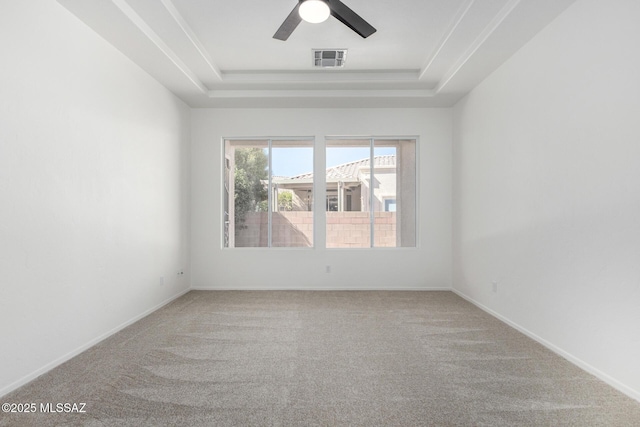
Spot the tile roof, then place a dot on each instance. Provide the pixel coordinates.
(349, 171)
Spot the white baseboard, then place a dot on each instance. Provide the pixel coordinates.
(634, 394)
(202, 288)
(59, 361)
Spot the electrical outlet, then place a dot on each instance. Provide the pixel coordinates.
(494, 287)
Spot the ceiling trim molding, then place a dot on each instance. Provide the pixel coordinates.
(310, 93)
(473, 39)
(191, 35)
(137, 20)
(331, 76)
(478, 42)
(462, 12)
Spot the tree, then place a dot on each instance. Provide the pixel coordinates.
(285, 201)
(251, 171)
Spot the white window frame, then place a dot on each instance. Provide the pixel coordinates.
(372, 140)
(319, 188)
(269, 141)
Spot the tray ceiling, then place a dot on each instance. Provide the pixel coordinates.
(221, 53)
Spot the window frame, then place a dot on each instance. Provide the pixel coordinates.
(226, 200)
(372, 140)
(319, 187)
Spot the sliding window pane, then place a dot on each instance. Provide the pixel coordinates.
(292, 193)
(348, 179)
(246, 195)
(384, 195)
(394, 193)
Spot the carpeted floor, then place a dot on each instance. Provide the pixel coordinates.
(226, 358)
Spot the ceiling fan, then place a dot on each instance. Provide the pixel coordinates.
(316, 11)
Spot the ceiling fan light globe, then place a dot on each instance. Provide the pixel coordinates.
(314, 11)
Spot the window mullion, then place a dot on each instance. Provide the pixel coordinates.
(371, 193)
(269, 196)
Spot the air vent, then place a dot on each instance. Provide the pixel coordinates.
(329, 58)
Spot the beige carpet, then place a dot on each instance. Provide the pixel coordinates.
(322, 359)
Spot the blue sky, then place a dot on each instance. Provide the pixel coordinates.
(292, 161)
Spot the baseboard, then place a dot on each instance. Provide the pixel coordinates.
(634, 394)
(201, 288)
(59, 361)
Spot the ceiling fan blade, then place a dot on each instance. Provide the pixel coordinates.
(288, 25)
(349, 18)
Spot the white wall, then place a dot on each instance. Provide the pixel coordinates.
(547, 189)
(94, 161)
(428, 266)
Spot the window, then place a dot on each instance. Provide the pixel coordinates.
(371, 193)
(390, 205)
(370, 198)
(268, 194)
(332, 201)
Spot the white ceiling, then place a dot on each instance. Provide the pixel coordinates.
(220, 53)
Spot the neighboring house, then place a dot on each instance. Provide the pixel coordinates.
(348, 186)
